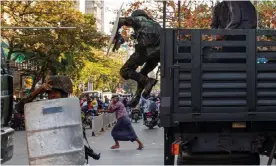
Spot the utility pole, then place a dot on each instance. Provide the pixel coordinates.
(256, 6)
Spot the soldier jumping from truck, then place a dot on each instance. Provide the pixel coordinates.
(147, 52)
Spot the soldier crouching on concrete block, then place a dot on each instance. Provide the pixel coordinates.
(56, 87)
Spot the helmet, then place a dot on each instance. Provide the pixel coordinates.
(62, 83)
(139, 13)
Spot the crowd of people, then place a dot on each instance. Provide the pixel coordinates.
(93, 104)
(96, 105)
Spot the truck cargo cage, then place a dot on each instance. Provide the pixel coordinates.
(213, 80)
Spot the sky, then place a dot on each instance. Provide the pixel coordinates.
(109, 6)
(110, 16)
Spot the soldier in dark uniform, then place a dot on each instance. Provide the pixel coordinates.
(220, 20)
(147, 51)
(220, 16)
(242, 15)
(234, 15)
(56, 87)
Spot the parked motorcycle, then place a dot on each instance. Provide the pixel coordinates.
(129, 111)
(105, 106)
(151, 114)
(135, 115)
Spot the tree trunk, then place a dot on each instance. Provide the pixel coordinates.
(38, 76)
(9, 54)
(9, 59)
(34, 82)
(113, 88)
(96, 83)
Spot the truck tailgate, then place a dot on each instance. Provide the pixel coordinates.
(214, 85)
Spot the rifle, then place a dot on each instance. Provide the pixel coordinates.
(118, 40)
(88, 150)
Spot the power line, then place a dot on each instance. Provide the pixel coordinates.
(37, 27)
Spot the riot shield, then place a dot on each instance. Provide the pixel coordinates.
(114, 29)
(54, 132)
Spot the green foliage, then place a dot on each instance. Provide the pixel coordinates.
(103, 71)
(130, 86)
(73, 52)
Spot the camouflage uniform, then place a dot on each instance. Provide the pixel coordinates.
(58, 82)
(147, 51)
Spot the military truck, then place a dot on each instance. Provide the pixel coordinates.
(7, 133)
(217, 107)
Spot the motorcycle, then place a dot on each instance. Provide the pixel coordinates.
(105, 106)
(129, 111)
(135, 115)
(151, 114)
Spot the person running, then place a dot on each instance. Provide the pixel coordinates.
(123, 130)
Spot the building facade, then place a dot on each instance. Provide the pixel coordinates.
(94, 7)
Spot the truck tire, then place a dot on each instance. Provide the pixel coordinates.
(219, 159)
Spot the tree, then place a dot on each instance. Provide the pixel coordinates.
(195, 14)
(130, 86)
(267, 14)
(58, 51)
(103, 71)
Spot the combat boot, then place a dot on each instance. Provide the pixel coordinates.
(150, 84)
(142, 81)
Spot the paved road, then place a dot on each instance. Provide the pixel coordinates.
(152, 154)
(126, 155)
